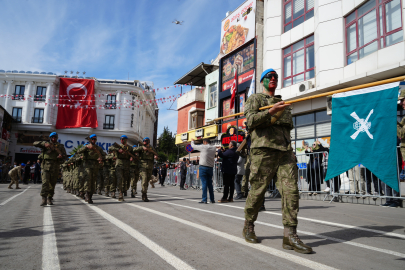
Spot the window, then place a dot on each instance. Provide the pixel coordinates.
(41, 94)
(111, 102)
(375, 25)
(299, 62)
(197, 119)
(17, 114)
(19, 92)
(109, 122)
(297, 12)
(38, 116)
(212, 99)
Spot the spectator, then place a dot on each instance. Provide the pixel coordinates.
(356, 180)
(15, 164)
(371, 177)
(315, 167)
(27, 171)
(229, 170)
(32, 171)
(183, 173)
(239, 176)
(162, 175)
(207, 156)
(388, 191)
(37, 173)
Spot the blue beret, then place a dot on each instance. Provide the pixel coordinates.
(124, 136)
(134, 146)
(265, 72)
(53, 134)
(92, 136)
(146, 138)
(22, 164)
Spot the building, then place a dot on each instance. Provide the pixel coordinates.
(123, 107)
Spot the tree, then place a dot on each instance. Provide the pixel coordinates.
(74, 150)
(168, 147)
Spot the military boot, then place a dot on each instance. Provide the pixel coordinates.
(107, 192)
(90, 198)
(145, 197)
(113, 195)
(49, 201)
(292, 241)
(249, 232)
(77, 193)
(86, 197)
(99, 191)
(43, 203)
(121, 196)
(10, 187)
(132, 193)
(82, 195)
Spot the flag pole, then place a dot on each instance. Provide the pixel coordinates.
(396, 79)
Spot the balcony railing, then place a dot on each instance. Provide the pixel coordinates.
(39, 98)
(112, 105)
(108, 126)
(37, 120)
(17, 97)
(17, 119)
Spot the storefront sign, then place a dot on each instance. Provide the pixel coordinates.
(239, 27)
(29, 150)
(231, 135)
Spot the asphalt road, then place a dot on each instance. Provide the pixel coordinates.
(174, 231)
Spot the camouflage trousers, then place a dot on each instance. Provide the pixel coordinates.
(245, 180)
(113, 180)
(14, 180)
(123, 178)
(134, 173)
(90, 178)
(100, 179)
(50, 173)
(145, 172)
(267, 163)
(107, 177)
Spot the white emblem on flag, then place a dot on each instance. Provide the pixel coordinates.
(361, 125)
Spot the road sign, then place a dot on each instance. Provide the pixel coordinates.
(189, 148)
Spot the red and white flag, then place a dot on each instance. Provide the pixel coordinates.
(233, 90)
(79, 93)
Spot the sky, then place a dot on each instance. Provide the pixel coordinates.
(118, 39)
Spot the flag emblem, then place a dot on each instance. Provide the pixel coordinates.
(361, 125)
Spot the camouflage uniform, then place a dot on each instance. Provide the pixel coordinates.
(122, 167)
(106, 175)
(100, 179)
(401, 134)
(134, 173)
(50, 166)
(146, 166)
(245, 180)
(113, 177)
(271, 154)
(15, 175)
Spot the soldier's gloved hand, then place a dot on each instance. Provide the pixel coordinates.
(121, 151)
(60, 156)
(156, 157)
(145, 149)
(47, 145)
(89, 146)
(279, 106)
(131, 159)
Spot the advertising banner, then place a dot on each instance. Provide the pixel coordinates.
(239, 27)
(243, 61)
(241, 125)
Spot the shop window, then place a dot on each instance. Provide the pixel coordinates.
(197, 119)
(305, 119)
(375, 25)
(299, 62)
(213, 93)
(296, 12)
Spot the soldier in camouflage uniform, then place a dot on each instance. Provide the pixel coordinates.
(113, 176)
(134, 173)
(93, 155)
(271, 154)
(100, 180)
(15, 175)
(401, 125)
(146, 155)
(53, 153)
(106, 175)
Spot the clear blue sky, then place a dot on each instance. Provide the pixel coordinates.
(109, 39)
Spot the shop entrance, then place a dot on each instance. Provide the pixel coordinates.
(23, 158)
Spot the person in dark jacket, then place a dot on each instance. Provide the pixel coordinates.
(183, 173)
(37, 172)
(162, 175)
(27, 173)
(315, 167)
(229, 170)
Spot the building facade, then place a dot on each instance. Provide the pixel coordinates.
(123, 107)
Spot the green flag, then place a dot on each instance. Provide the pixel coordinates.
(364, 131)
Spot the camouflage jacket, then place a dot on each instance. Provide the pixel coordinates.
(89, 154)
(145, 156)
(122, 158)
(263, 133)
(15, 172)
(401, 132)
(52, 152)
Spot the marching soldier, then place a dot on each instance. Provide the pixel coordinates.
(92, 156)
(271, 155)
(100, 179)
(113, 176)
(15, 175)
(134, 172)
(106, 175)
(146, 155)
(53, 153)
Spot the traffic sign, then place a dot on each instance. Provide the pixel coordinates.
(189, 148)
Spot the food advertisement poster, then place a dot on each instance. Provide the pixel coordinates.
(226, 107)
(239, 27)
(242, 102)
(243, 61)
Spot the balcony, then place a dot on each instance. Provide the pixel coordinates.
(112, 105)
(37, 120)
(39, 98)
(108, 126)
(17, 97)
(17, 119)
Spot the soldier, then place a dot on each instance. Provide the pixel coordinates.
(53, 153)
(106, 175)
(134, 173)
(15, 175)
(146, 155)
(113, 176)
(92, 156)
(271, 154)
(100, 180)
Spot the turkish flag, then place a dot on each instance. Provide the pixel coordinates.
(78, 96)
(233, 90)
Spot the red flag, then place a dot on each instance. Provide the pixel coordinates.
(80, 93)
(233, 90)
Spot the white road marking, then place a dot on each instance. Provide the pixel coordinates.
(307, 219)
(50, 259)
(161, 252)
(6, 201)
(301, 232)
(239, 240)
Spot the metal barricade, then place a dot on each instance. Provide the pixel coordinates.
(218, 181)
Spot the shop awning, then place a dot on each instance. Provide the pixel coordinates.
(196, 76)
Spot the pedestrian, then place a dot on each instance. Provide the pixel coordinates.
(155, 173)
(207, 159)
(92, 156)
(183, 173)
(272, 154)
(15, 175)
(239, 176)
(32, 171)
(229, 170)
(37, 172)
(163, 172)
(147, 154)
(27, 173)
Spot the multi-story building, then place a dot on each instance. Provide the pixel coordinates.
(123, 107)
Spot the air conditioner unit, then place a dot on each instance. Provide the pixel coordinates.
(184, 136)
(199, 133)
(305, 86)
(329, 105)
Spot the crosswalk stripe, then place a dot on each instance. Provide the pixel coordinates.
(50, 259)
(6, 201)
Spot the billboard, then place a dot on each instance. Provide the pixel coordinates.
(239, 27)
